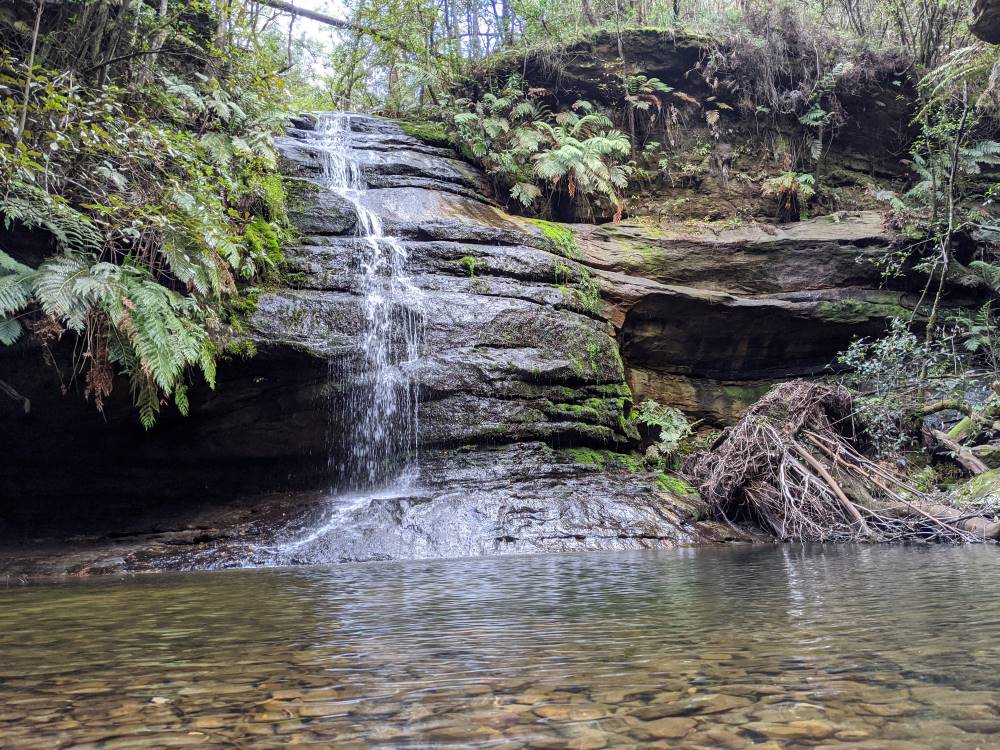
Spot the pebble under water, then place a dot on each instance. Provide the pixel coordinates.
(776, 647)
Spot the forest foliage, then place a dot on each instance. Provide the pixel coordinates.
(139, 138)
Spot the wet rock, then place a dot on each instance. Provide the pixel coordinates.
(824, 253)
(808, 729)
(572, 712)
(516, 499)
(514, 351)
(713, 704)
(903, 708)
(721, 737)
(979, 726)
(664, 729)
(592, 740)
(708, 320)
(317, 211)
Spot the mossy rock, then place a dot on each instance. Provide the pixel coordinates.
(978, 490)
(606, 460)
(676, 486)
(988, 454)
(561, 239)
(240, 348)
(853, 311)
(608, 412)
(427, 131)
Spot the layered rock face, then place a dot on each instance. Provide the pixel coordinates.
(526, 362)
(707, 321)
(511, 349)
(712, 150)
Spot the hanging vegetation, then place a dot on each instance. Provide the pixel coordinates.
(139, 143)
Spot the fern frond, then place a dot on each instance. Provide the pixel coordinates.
(15, 294)
(10, 331)
(989, 273)
(54, 287)
(10, 265)
(36, 209)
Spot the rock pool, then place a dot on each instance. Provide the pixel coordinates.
(749, 646)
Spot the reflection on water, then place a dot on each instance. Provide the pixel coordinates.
(740, 647)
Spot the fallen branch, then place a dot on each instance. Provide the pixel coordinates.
(962, 455)
(332, 21)
(949, 404)
(848, 505)
(767, 469)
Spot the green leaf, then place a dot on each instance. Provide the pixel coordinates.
(10, 331)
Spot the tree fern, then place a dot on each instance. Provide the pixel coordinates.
(11, 265)
(15, 294)
(980, 152)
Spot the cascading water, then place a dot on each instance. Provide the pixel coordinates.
(378, 416)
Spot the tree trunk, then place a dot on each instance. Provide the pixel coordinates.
(23, 119)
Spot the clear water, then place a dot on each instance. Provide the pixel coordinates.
(382, 407)
(776, 647)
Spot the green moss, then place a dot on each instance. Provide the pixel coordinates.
(587, 298)
(594, 351)
(620, 390)
(675, 485)
(983, 486)
(431, 133)
(272, 189)
(852, 311)
(926, 479)
(603, 411)
(242, 348)
(239, 310)
(263, 242)
(560, 238)
(605, 460)
(589, 295)
(470, 263)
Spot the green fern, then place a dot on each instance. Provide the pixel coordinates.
(35, 209)
(10, 331)
(989, 274)
(55, 289)
(15, 294)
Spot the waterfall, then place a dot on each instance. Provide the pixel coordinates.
(378, 415)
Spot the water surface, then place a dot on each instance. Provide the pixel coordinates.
(886, 648)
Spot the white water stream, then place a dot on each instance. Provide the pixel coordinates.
(380, 409)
